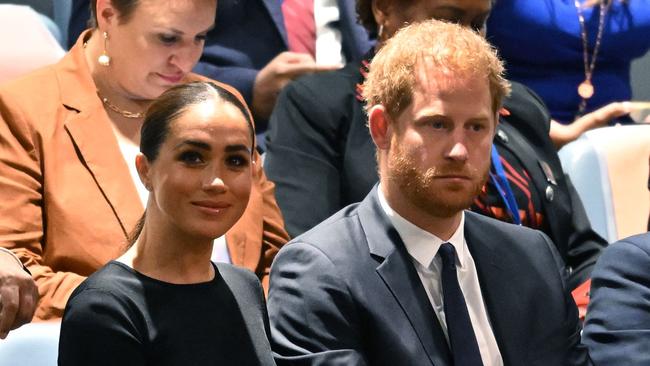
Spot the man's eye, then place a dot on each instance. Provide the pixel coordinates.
(477, 127)
(437, 125)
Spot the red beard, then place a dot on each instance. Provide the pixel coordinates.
(434, 197)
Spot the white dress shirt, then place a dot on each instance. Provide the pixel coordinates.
(329, 49)
(423, 249)
(129, 152)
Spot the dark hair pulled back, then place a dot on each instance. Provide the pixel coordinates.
(168, 107)
(125, 8)
(172, 103)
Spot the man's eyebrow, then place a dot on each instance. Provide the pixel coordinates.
(479, 118)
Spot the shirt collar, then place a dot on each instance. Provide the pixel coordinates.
(420, 244)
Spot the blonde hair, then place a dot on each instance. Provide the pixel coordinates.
(455, 52)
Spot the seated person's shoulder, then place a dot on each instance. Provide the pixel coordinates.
(526, 111)
(342, 225)
(641, 241)
(335, 84)
(632, 246)
(490, 223)
(114, 279)
(515, 235)
(337, 241)
(241, 275)
(34, 100)
(243, 283)
(113, 292)
(32, 86)
(325, 101)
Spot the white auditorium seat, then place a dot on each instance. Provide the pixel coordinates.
(609, 168)
(26, 42)
(34, 344)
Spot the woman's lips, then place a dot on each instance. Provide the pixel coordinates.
(173, 79)
(211, 207)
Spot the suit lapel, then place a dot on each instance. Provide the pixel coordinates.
(401, 278)
(495, 275)
(274, 7)
(90, 131)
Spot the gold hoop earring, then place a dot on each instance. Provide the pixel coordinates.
(104, 59)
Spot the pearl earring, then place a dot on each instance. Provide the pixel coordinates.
(104, 59)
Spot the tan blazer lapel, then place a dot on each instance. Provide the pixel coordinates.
(244, 239)
(90, 131)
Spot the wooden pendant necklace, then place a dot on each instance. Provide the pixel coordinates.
(586, 88)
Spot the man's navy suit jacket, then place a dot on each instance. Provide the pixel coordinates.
(617, 328)
(347, 293)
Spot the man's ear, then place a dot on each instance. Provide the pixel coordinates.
(106, 15)
(142, 166)
(381, 130)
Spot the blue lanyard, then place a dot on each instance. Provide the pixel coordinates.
(503, 187)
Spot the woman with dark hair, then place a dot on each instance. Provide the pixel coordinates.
(70, 132)
(164, 302)
(321, 156)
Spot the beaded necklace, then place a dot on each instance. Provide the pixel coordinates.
(586, 88)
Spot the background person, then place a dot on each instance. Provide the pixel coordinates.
(70, 132)
(618, 321)
(394, 280)
(319, 151)
(258, 46)
(618, 318)
(322, 158)
(164, 302)
(557, 46)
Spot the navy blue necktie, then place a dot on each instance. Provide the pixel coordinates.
(462, 339)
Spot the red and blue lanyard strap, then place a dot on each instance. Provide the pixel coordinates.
(500, 181)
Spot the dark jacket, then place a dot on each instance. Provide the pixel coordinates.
(322, 158)
(347, 293)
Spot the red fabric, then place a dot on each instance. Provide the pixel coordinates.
(301, 29)
(581, 297)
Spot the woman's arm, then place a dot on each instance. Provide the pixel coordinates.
(563, 134)
(21, 212)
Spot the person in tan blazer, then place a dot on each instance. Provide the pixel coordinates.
(69, 197)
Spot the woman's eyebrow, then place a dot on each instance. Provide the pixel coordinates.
(238, 147)
(198, 144)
